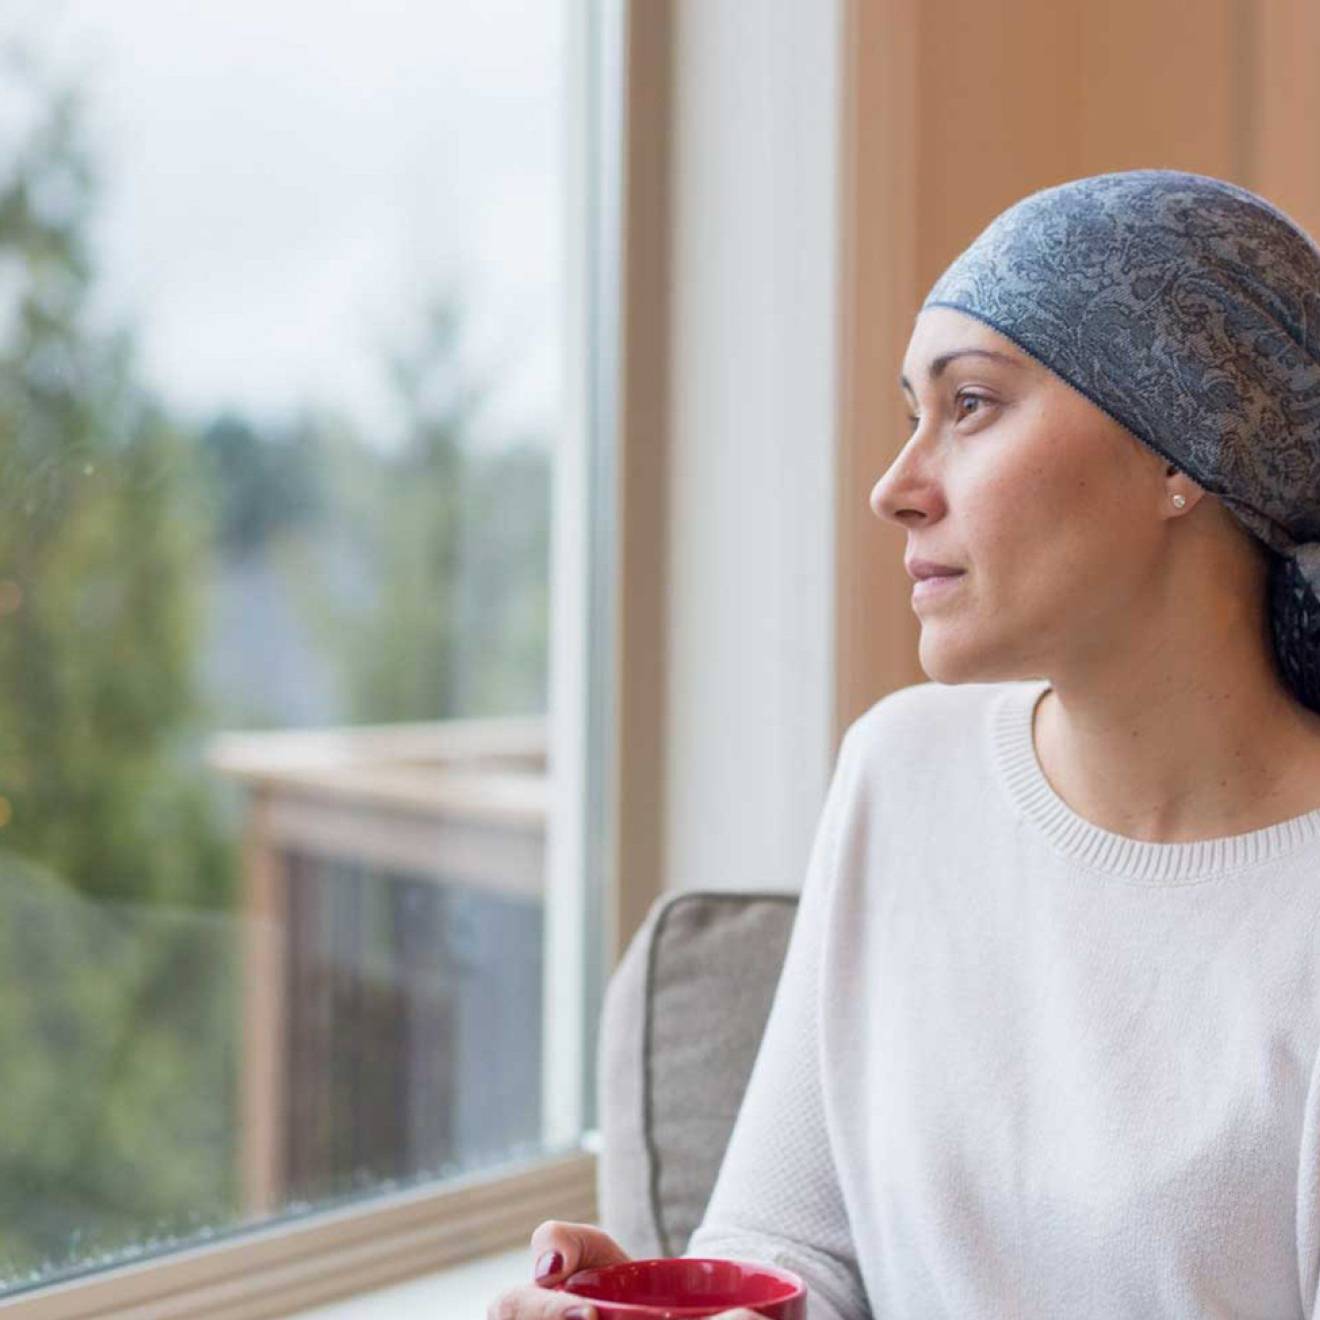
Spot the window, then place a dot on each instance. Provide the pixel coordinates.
(300, 547)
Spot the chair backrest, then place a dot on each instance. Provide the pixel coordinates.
(683, 1016)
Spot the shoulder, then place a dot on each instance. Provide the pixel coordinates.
(925, 718)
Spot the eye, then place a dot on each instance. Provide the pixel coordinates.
(964, 396)
(961, 397)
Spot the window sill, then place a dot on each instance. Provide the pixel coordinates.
(336, 1254)
(462, 1292)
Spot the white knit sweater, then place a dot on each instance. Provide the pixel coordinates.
(1020, 1066)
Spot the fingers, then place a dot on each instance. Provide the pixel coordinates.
(558, 1248)
(530, 1302)
(742, 1313)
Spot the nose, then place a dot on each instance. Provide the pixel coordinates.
(877, 498)
(905, 491)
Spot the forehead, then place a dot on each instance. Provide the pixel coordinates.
(942, 332)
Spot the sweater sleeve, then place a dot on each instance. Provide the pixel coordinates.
(777, 1198)
(1308, 1199)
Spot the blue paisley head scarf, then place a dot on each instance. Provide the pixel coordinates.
(1188, 309)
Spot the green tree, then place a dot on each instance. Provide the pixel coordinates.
(102, 539)
(265, 483)
(401, 653)
(504, 636)
(117, 985)
(453, 546)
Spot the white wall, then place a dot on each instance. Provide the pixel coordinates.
(750, 627)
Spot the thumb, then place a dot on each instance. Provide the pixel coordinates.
(559, 1248)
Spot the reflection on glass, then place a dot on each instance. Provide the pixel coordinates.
(273, 613)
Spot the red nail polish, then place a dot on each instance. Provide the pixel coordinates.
(551, 1263)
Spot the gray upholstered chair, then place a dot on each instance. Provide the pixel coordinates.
(682, 1019)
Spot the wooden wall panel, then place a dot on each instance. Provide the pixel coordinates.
(955, 109)
(1282, 59)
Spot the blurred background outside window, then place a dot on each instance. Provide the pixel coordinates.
(280, 359)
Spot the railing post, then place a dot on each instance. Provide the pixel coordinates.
(261, 1074)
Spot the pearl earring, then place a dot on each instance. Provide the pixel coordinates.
(1179, 501)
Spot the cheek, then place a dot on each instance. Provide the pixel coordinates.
(1038, 506)
(1013, 522)
(1029, 558)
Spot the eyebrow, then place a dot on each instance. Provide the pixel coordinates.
(939, 363)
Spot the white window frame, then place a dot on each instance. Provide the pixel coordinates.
(293, 1263)
(583, 557)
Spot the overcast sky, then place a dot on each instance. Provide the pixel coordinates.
(285, 178)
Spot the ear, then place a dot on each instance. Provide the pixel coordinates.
(1177, 482)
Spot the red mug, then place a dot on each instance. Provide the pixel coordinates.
(686, 1287)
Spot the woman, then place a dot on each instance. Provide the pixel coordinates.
(1046, 1039)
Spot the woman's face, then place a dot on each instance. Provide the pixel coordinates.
(1035, 493)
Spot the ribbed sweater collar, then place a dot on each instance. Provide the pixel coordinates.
(1116, 854)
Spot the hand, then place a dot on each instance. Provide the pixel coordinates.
(558, 1249)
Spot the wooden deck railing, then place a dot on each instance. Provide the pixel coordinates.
(392, 917)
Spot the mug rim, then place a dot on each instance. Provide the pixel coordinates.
(700, 1312)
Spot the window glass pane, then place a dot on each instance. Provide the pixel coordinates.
(281, 310)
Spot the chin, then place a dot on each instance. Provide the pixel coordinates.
(943, 664)
(944, 660)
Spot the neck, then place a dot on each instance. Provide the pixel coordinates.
(1183, 760)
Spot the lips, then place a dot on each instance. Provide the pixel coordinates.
(920, 569)
(937, 584)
